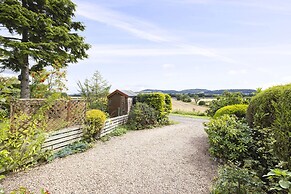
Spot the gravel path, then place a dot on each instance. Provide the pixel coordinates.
(172, 159)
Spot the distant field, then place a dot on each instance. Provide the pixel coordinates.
(183, 106)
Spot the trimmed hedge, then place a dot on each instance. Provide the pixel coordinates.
(261, 110)
(162, 103)
(238, 110)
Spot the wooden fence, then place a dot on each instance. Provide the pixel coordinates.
(61, 138)
(61, 114)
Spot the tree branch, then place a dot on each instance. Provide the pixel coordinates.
(11, 38)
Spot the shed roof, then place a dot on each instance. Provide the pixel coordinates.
(127, 93)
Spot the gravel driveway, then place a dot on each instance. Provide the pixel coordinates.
(172, 159)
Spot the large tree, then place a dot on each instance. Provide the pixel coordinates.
(41, 32)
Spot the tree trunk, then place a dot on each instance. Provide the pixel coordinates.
(24, 75)
(25, 91)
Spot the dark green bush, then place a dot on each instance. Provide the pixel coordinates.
(95, 120)
(227, 98)
(282, 127)
(238, 110)
(160, 102)
(142, 116)
(261, 110)
(229, 138)
(235, 180)
(201, 103)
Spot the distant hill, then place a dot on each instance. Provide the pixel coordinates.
(200, 91)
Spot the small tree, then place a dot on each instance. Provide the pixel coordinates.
(42, 31)
(95, 91)
(196, 98)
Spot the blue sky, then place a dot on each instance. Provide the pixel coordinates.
(181, 44)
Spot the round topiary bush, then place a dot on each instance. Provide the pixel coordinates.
(142, 116)
(95, 120)
(261, 110)
(238, 110)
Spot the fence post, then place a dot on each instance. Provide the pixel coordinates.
(68, 119)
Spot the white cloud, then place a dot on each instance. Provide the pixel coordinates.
(168, 66)
(237, 72)
(143, 30)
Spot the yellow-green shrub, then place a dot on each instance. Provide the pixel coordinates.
(238, 110)
(95, 120)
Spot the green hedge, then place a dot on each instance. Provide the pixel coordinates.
(261, 110)
(238, 110)
(162, 103)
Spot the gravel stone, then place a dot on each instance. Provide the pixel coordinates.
(168, 160)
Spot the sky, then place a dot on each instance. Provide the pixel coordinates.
(183, 44)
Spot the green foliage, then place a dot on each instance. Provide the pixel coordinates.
(22, 148)
(234, 180)
(239, 110)
(261, 111)
(142, 116)
(23, 190)
(76, 147)
(280, 180)
(160, 102)
(47, 34)
(229, 138)
(282, 127)
(227, 98)
(183, 97)
(9, 90)
(95, 120)
(168, 105)
(95, 90)
(201, 103)
(20, 143)
(119, 131)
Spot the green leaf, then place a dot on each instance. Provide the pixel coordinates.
(285, 184)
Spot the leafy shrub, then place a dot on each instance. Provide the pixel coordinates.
(201, 103)
(160, 102)
(95, 120)
(227, 98)
(280, 180)
(76, 147)
(121, 130)
(238, 110)
(142, 116)
(229, 138)
(21, 148)
(232, 179)
(261, 110)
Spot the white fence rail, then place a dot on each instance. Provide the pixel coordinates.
(61, 138)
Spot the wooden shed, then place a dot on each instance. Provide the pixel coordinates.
(120, 102)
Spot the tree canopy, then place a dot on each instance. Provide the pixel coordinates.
(40, 31)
